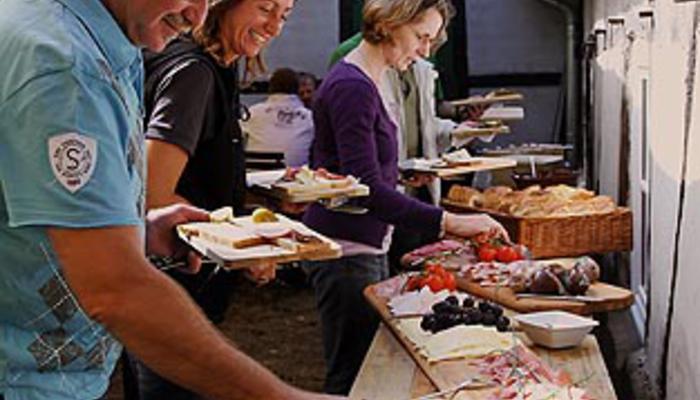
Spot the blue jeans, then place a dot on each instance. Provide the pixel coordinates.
(213, 293)
(348, 322)
(150, 385)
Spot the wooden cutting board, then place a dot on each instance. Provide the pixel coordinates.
(461, 132)
(476, 164)
(310, 195)
(444, 374)
(611, 298)
(389, 372)
(235, 258)
(479, 100)
(266, 183)
(583, 363)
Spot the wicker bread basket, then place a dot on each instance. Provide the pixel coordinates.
(564, 236)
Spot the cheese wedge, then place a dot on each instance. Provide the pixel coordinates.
(458, 342)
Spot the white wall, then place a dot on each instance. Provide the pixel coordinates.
(669, 113)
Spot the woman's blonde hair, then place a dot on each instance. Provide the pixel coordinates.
(208, 35)
(379, 16)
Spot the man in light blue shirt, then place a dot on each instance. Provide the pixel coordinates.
(72, 266)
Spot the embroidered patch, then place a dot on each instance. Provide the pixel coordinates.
(72, 157)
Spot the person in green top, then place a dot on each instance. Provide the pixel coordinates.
(349, 44)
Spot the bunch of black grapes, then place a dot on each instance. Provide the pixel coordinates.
(449, 313)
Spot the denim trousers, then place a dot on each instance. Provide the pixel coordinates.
(348, 322)
(212, 291)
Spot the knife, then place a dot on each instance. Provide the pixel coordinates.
(536, 296)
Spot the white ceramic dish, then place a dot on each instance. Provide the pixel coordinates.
(555, 329)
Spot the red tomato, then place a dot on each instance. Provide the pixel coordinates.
(413, 283)
(449, 281)
(433, 267)
(435, 283)
(487, 253)
(521, 250)
(442, 273)
(507, 254)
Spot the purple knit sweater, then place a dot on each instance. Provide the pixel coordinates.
(355, 136)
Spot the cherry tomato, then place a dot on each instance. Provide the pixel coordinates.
(487, 253)
(507, 254)
(434, 268)
(442, 273)
(521, 250)
(435, 283)
(450, 282)
(413, 283)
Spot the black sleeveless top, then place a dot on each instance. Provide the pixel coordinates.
(215, 172)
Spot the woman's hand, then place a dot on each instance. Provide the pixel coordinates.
(472, 112)
(473, 224)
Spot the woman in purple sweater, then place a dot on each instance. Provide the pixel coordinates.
(356, 136)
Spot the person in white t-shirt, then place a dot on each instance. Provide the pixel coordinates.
(281, 124)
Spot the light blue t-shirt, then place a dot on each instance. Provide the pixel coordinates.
(71, 155)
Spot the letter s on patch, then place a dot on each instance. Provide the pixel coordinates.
(72, 157)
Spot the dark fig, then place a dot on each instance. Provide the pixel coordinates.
(546, 282)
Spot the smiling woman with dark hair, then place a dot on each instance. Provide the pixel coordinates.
(193, 138)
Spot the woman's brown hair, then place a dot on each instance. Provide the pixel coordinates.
(378, 16)
(208, 35)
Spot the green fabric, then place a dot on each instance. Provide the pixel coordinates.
(344, 48)
(347, 46)
(411, 110)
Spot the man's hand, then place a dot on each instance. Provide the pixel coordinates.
(290, 208)
(261, 273)
(161, 239)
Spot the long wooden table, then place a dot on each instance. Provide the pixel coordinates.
(389, 373)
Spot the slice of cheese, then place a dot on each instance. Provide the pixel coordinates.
(458, 342)
(225, 234)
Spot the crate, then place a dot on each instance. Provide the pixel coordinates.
(564, 236)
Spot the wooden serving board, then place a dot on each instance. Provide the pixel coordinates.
(265, 183)
(584, 364)
(466, 132)
(388, 372)
(479, 100)
(610, 298)
(444, 374)
(476, 164)
(308, 196)
(233, 258)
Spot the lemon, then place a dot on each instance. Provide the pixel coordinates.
(263, 215)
